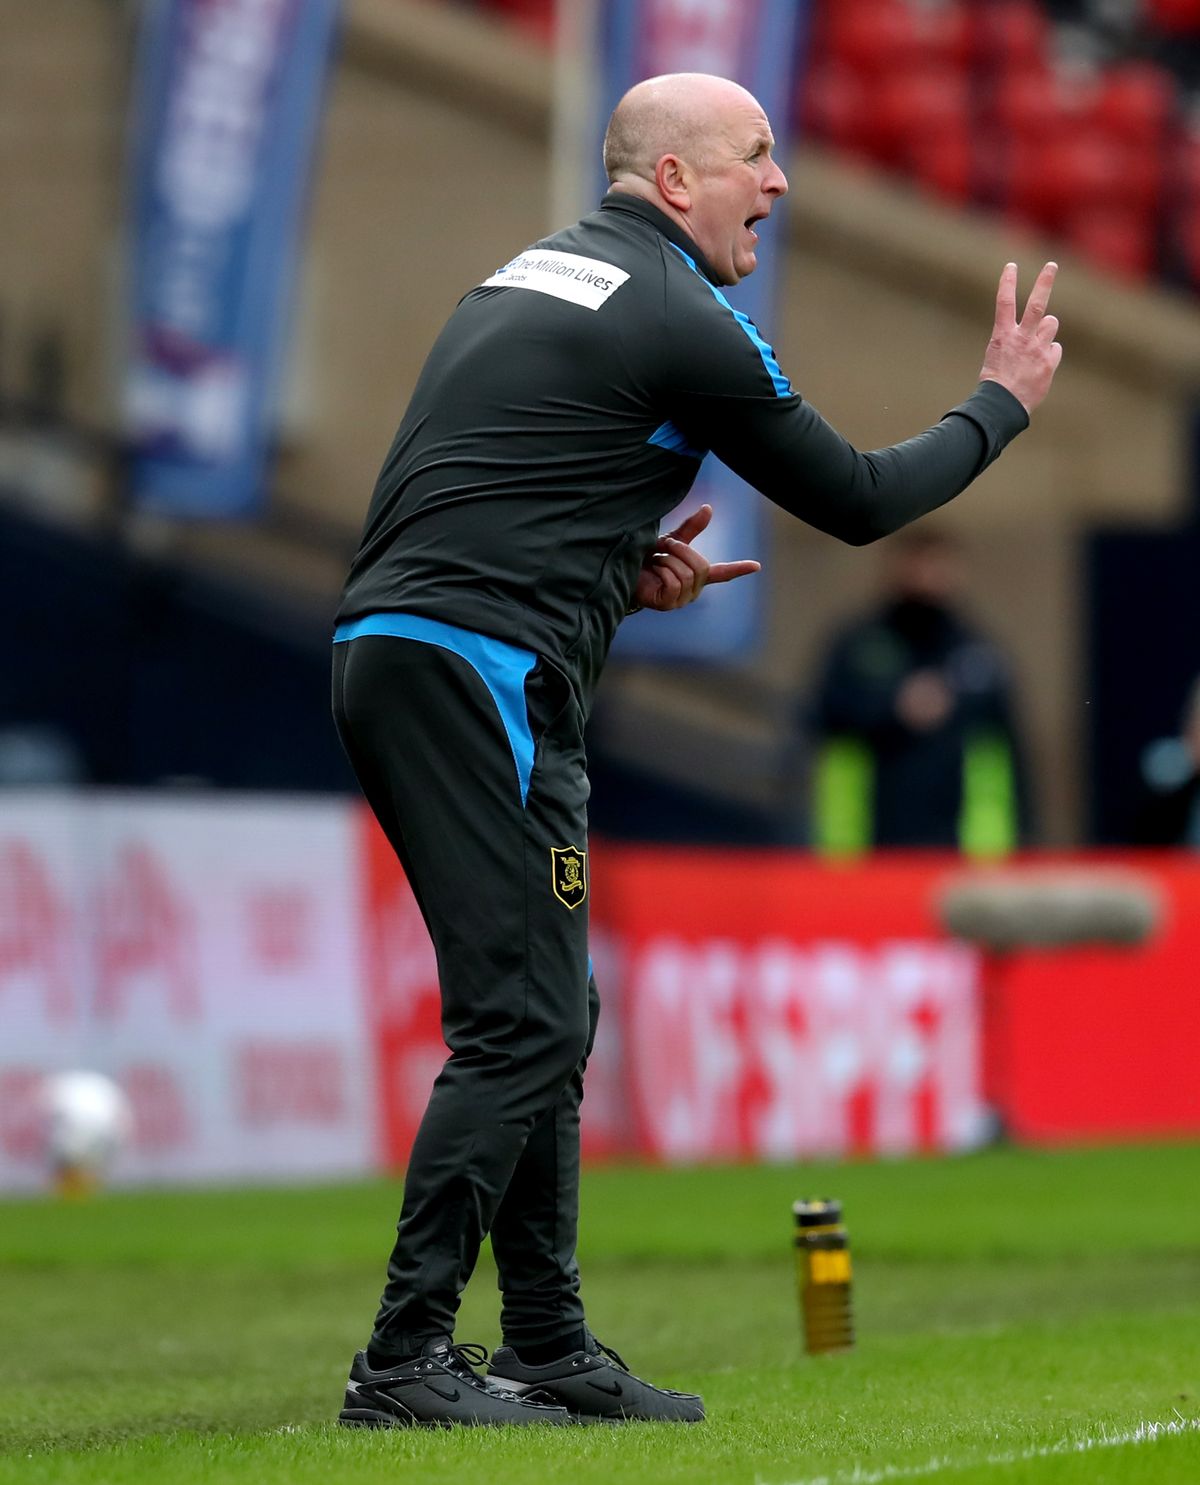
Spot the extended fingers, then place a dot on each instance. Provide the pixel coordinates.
(724, 572)
(1023, 357)
(691, 526)
(1006, 297)
(1039, 297)
(679, 572)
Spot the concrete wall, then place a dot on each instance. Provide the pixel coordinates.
(62, 83)
(417, 200)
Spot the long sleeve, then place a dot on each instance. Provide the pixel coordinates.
(729, 395)
(786, 450)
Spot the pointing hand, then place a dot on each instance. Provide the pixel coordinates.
(675, 572)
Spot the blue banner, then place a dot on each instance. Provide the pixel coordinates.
(227, 99)
(757, 43)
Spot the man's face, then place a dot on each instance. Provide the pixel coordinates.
(734, 187)
(931, 574)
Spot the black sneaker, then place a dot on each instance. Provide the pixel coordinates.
(437, 1389)
(595, 1386)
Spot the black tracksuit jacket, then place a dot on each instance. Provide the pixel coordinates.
(563, 412)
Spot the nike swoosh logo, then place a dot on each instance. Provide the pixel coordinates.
(451, 1395)
(613, 1391)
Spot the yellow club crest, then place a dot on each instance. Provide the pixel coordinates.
(568, 874)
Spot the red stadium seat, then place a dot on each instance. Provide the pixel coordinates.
(1185, 165)
(1145, 179)
(1038, 102)
(879, 36)
(908, 108)
(1187, 242)
(1173, 17)
(1024, 101)
(834, 106)
(1121, 242)
(1137, 102)
(944, 34)
(871, 36)
(966, 100)
(1058, 179)
(1007, 34)
(944, 164)
(536, 16)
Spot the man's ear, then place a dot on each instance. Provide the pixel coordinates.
(672, 177)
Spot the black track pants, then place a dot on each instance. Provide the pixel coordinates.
(443, 754)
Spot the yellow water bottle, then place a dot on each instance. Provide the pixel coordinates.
(823, 1276)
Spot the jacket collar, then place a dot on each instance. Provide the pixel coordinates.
(625, 201)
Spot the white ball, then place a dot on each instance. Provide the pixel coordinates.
(87, 1120)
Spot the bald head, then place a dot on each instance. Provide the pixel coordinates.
(681, 113)
(698, 148)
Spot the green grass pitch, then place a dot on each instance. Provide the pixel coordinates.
(1022, 1316)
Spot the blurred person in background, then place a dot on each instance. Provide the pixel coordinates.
(1169, 803)
(913, 722)
(561, 415)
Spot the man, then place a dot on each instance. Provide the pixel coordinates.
(915, 719)
(560, 415)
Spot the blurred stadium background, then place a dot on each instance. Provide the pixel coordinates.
(191, 897)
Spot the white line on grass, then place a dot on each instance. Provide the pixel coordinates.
(1144, 1433)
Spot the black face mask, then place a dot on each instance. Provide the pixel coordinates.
(919, 619)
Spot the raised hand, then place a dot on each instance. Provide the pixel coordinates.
(675, 572)
(1023, 355)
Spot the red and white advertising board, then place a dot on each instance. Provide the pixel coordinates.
(45, 967)
(204, 954)
(400, 985)
(775, 1008)
(400, 992)
(1096, 1044)
(256, 974)
(755, 1005)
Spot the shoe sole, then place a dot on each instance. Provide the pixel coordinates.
(626, 1419)
(620, 1420)
(365, 1418)
(616, 1419)
(360, 1417)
